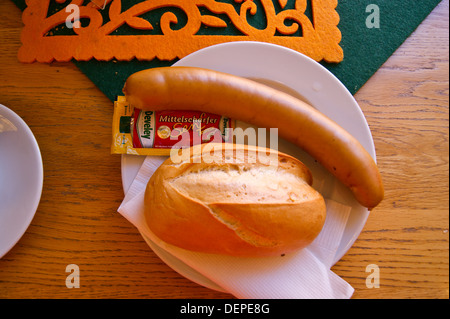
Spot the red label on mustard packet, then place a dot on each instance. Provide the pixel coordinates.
(141, 132)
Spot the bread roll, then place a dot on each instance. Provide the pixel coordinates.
(234, 202)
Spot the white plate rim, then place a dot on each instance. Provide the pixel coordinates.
(20, 124)
(202, 58)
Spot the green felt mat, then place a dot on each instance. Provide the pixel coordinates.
(365, 49)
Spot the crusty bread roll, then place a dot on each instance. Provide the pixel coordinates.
(234, 201)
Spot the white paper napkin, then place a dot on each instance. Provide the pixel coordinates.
(304, 274)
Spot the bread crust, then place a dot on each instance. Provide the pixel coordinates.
(233, 207)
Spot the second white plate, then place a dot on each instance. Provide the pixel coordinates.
(21, 178)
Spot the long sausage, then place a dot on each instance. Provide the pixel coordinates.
(190, 88)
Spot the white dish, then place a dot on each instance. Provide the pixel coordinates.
(301, 76)
(21, 178)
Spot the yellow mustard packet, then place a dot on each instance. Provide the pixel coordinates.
(139, 132)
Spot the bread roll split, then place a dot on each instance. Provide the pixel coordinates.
(237, 203)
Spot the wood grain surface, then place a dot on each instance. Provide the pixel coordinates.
(406, 106)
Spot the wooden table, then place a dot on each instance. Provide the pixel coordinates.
(406, 105)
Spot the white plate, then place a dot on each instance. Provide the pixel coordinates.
(301, 76)
(21, 178)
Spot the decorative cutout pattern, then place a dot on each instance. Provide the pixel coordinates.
(286, 24)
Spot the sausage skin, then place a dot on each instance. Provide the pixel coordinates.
(190, 88)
